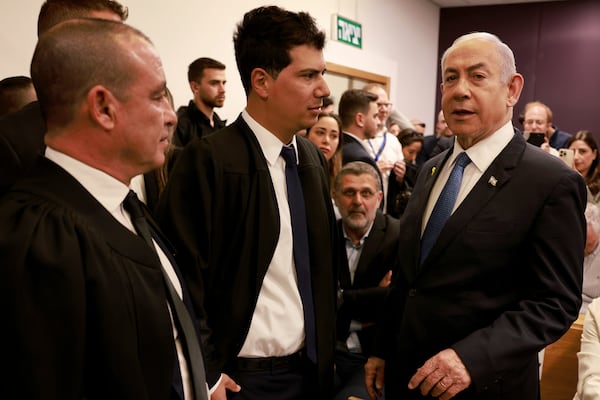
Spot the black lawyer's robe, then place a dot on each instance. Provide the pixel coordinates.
(85, 311)
(502, 281)
(220, 212)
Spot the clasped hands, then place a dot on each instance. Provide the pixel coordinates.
(442, 376)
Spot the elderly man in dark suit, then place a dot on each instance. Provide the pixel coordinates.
(492, 272)
(369, 254)
(250, 213)
(95, 311)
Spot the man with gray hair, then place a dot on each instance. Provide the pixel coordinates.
(493, 272)
(369, 259)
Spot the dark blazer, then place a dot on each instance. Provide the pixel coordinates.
(363, 299)
(192, 123)
(432, 146)
(21, 141)
(219, 210)
(86, 313)
(502, 281)
(353, 150)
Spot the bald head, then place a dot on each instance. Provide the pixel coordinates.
(76, 55)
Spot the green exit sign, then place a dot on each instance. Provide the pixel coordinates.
(347, 31)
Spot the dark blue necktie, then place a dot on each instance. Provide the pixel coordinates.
(444, 205)
(181, 315)
(301, 250)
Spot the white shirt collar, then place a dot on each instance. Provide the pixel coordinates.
(109, 191)
(483, 153)
(269, 143)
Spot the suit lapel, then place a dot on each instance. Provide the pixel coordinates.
(492, 181)
(344, 273)
(371, 247)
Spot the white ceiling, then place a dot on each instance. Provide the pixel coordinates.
(468, 3)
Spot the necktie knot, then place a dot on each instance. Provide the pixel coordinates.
(289, 155)
(131, 204)
(463, 159)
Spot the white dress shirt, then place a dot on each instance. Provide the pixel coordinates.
(277, 327)
(384, 147)
(110, 193)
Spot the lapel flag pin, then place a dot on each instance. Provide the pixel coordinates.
(493, 181)
(432, 171)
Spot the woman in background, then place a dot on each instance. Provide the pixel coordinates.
(326, 134)
(400, 186)
(586, 162)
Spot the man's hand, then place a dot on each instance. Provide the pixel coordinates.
(374, 377)
(400, 170)
(386, 280)
(385, 166)
(225, 384)
(443, 375)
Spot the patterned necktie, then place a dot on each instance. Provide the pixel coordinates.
(301, 250)
(444, 205)
(184, 322)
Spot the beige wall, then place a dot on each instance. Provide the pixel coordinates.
(399, 40)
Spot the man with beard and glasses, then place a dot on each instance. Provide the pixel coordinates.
(370, 254)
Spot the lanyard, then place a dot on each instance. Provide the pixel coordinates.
(378, 154)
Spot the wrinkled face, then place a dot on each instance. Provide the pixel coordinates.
(325, 135)
(211, 88)
(411, 151)
(371, 121)
(358, 200)
(296, 96)
(584, 156)
(536, 120)
(145, 118)
(475, 101)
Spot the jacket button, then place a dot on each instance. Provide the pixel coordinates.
(412, 292)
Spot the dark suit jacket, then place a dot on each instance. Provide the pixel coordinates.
(363, 299)
(86, 313)
(502, 281)
(432, 146)
(353, 150)
(21, 141)
(219, 210)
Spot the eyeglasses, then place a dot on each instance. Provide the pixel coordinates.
(384, 105)
(351, 193)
